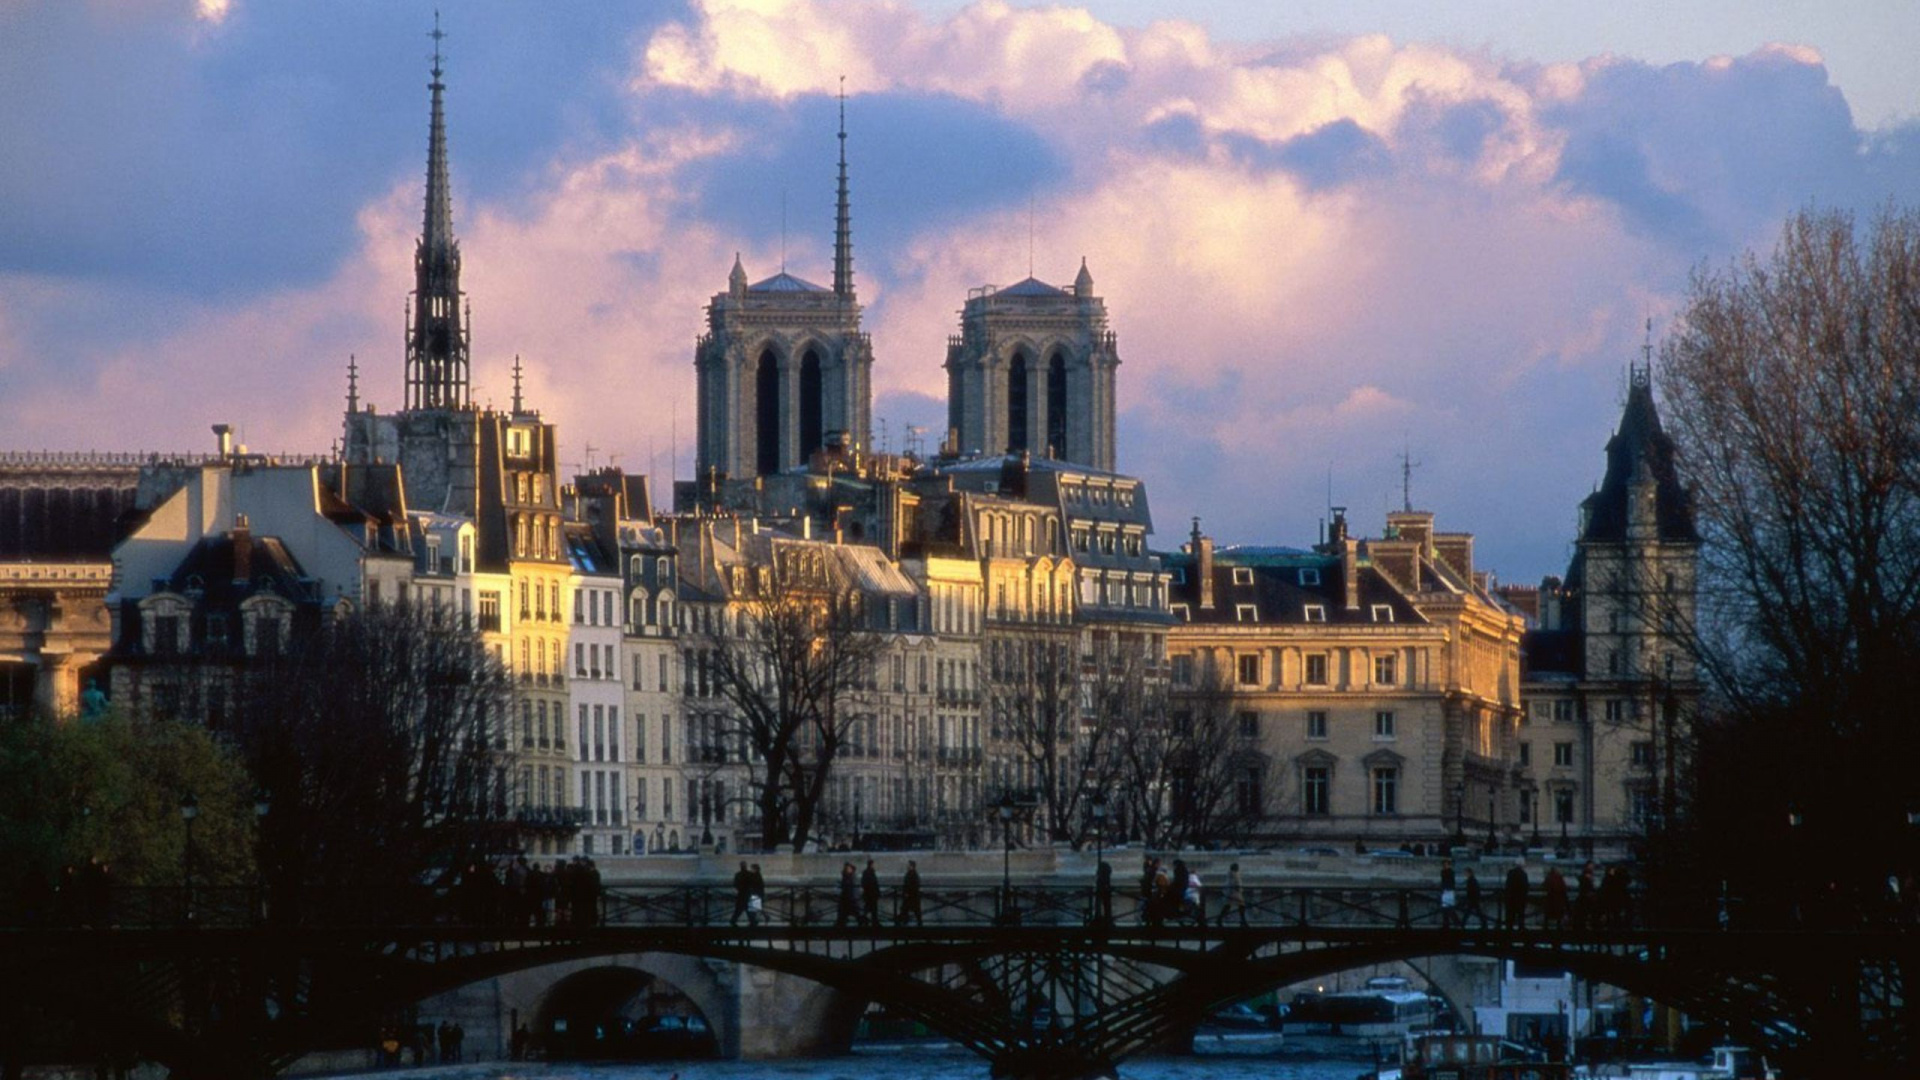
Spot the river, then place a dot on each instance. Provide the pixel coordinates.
(1227, 1061)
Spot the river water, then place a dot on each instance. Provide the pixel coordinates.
(1228, 1059)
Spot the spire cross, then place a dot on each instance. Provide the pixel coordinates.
(1643, 374)
(1407, 465)
(436, 35)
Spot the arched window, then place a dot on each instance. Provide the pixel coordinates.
(812, 405)
(1057, 406)
(767, 414)
(1017, 403)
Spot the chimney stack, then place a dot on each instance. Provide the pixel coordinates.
(1203, 564)
(224, 433)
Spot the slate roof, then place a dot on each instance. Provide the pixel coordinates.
(1547, 652)
(785, 282)
(229, 567)
(1277, 592)
(1639, 442)
(1032, 286)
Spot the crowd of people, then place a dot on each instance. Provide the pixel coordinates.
(525, 894)
(1600, 900)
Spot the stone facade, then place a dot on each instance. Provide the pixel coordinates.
(1032, 371)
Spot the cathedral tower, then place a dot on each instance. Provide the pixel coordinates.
(1032, 371)
(784, 368)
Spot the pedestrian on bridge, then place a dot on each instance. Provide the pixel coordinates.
(756, 895)
(1583, 900)
(910, 897)
(1554, 908)
(1448, 915)
(1513, 913)
(742, 892)
(1473, 910)
(870, 896)
(1236, 896)
(849, 903)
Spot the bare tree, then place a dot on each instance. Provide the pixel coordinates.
(1034, 685)
(785, 666)
(1190, 777)
(1793, 383)
(381, 739)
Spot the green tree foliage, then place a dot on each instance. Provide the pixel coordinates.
(110, 789)
(1793, 391)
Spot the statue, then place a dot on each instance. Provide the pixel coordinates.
(93, 701)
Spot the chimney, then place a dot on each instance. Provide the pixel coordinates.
(1456, 550)
(1349, 565)
(1414, 525)
(1203, 565)
(241, 537)
(224, 433)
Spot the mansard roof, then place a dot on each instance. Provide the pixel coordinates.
(1280, 593)
(1640, 443)
(229, 567)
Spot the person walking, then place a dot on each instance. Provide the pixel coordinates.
(910, 896)
(1448, 894)
(870, 896)
(1583, 900)
(1513, 912)
(849, 899)
(1149, 868)
(742, 891)
(1473, 910)
(1554, 908)
(1191, 898)
(1236, 900)
(756, 895)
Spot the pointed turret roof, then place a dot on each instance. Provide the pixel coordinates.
(843, 214)
(437, 360)
(1639, 450)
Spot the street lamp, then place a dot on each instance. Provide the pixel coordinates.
(262, 806)
(1493, 811)
(1005, 810)
(189, 809)
(856, 813)
(1460, 813)
(1102, 904)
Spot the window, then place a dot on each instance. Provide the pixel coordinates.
(579, 607)
(1317, 724)
(1316, 669)
(1563, 807)
(1563, 753)
(1385, 670)
(1642, 751)
(1182, 612)
(1383, 724)
(1526, 753)
(1386, 791)
(1309, 575)
(1616, 711)
(1246, 790)
(1315, 784)
(490, 611)
(1526, 806)
(1243, 575)
(1315, 613)
(1249, 725)
(1250, 670)
(1183, 671)
(1613, 662)
(1383, 613)
(1246, 613)
(1563, 712)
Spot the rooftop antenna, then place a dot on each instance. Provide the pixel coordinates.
(1407, 465)
(1029, 234)
(783, 230)
(590, 452)
(1644, 377)
(436, 35)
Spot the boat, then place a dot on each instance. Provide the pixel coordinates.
(1727, 1063)
(1478, 1057)
(1387, 1009)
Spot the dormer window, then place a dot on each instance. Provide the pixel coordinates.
(1243, 575)
(1183, 612)
(1246, 612)
(1383, 613)
(1309, 575)
(1315, 613)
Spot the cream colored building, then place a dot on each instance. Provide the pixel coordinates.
(1374, 684)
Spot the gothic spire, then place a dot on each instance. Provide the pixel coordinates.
(437, 369)
(843, 216)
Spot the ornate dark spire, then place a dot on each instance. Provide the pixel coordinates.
(843, 216)
(437, 366)
(517, 400)
(353, 383)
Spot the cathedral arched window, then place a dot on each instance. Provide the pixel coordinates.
(1057, 406)
(767, 410)
(812, 405)
(1017, 403)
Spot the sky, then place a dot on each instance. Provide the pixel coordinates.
(1333, 237)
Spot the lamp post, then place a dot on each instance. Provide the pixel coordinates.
(1460, 813)
(1794, 821)
(856, 813)
(1005, 810)
(1533, 812)
(1493, 810)
(189, 809)
(1102, 905)
(262, 806)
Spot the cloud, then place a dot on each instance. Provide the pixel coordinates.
(1318, 254)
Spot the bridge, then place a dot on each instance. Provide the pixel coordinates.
(214, 984)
